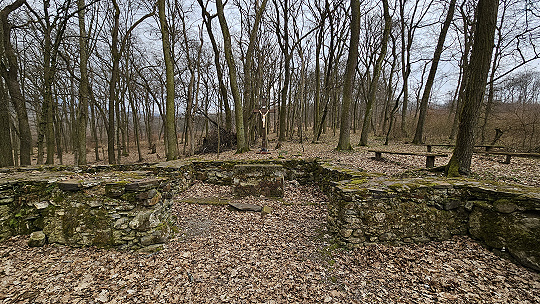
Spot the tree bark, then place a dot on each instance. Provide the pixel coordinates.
(248, 82)
(172, 140)
(84, 86)
(376, 72)
(418, 136)
(10, 75)
(6, 153)
(284, 45)
(207, 19)
(352, 59)
(113, 82)
(241, 145)
(481, 52)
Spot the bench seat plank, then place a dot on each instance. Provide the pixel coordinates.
(430, 157)
(516, 154)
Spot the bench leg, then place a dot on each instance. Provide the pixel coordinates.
(378, 155)
(507, 160)
(430, 161)
(428, 148)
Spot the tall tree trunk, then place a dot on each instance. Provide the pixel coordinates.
(352, 59)
(248, 63)
(222, 88)
(317, 102)
(94, 132)
(284, 45)
(418, 136)
(47, 124)
(241, 145)
(84, 86)
(376, 72)
(115, 53)
(495, 64)
(135, 114)
(465, 71)
(6, 153)
(10, 75)
(482, 49)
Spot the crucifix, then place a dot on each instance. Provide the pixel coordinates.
(263, 111)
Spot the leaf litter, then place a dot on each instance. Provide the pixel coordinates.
(224, 256)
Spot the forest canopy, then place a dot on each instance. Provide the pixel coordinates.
(101, 78)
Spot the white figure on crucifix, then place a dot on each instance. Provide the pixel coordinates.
(263, 112)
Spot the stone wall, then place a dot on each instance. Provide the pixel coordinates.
(391, 211)
(129, 213)
(132, 209)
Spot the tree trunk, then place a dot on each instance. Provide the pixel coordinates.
(482, 49)
(134, 113)
(84, 86)
(113, 82)
(207, 19)
(241, 145)
(94, 132)
(10, 75)
(375, 79)
(352, 59)
(287, 71)
(317, 102)
(248, 82)
(418, 136)
(6, 153)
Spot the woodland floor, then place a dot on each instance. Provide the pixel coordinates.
(522, 171)
(285, 257)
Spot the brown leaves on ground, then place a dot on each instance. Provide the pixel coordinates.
(223, 256)
(484, 166)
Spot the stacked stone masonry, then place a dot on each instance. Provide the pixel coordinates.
(132, 213)
(132, 210)
(382, 210)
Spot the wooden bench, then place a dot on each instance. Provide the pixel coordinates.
(487, 147)
(515, 154)
(430, 157)
(429, 146)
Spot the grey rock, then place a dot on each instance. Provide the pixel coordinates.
(145, 221)
(451, 204)
(388, 236)
(147, 194)
(6, 200)
(504, 206)
(37, 239)
(143, 184)
(115, 189)
(69, 185)
(245, 207)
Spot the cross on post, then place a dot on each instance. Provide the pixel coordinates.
(263, 111)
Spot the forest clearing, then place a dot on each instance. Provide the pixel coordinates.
(374, 120)
(224, 256)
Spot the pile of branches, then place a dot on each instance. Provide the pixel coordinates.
(209, 144)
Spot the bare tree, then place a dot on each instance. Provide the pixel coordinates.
(6, 153)
(118, 47)
(170, 130)
(418, 136)
(376, 72)
(345, 127)
(9, 68)
(481, 53)
(241, 142)
(84, 86)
